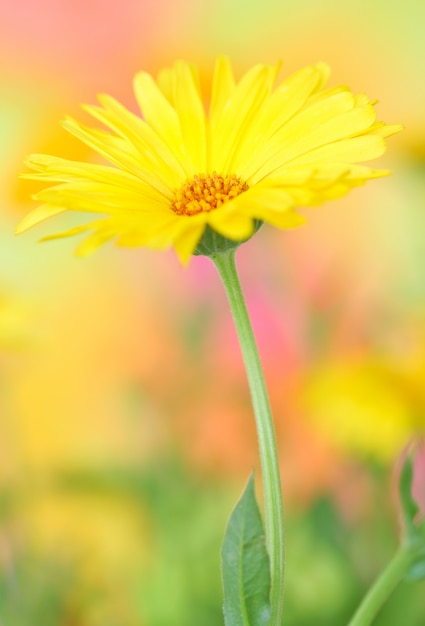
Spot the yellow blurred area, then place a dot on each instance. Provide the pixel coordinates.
(365, 408)
(15, 319)
(106, 536)
(77, 378)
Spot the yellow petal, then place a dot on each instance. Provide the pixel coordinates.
(100, 198)
(308, 131)
(77, 230)
(192, 118)
(62, 170)
(280, 107)
(37, 215)
(230, 124)
(94, 241)
(187, 241)
(222, 89)
(385, 130)
(286, 220)
(160, 115)
(231, 223)
(116, 151)
(150, 152)
(156, 230)
(363, 148)
(271, 203)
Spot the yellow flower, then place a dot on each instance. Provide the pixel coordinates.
(257, 155)
(361, 405)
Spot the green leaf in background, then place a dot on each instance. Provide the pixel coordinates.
(245, 565)
(414, 528)
(409, 507)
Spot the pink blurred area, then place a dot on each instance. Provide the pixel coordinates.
(89, 44)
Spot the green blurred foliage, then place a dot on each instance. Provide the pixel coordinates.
(331, 560)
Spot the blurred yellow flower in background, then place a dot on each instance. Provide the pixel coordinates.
(259, 154)
(365, 406)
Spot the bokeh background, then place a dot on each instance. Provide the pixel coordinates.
(126, 431)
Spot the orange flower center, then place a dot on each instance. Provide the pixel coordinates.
(205, 193)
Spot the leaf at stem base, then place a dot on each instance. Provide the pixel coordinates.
(245, 565)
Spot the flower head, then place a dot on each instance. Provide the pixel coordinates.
(258, 154)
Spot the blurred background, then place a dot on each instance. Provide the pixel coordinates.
(126, 432)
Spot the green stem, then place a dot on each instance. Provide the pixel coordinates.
(382, 588)
(273, 507)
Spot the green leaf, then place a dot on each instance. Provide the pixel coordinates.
(408, 504)
(414, 529)
(416, 571)
(245, 565)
